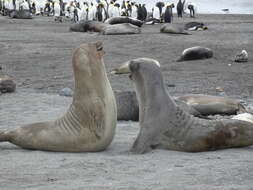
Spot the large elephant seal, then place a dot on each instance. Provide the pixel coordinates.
(104, 28)
(164, 125)
(212, 105)
(121, 29)
(196, 52)
(124, 19)
(173, 29)
(89, 124)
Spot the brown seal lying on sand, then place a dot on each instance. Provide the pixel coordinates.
(105, 29)
(196, 52)
(124, 19)
(164, 125)
(89, 124)
(173, 29)
(212, 105)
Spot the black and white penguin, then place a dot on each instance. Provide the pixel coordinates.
(180, 8)
(168, 15)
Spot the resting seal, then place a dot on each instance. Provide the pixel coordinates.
(195, 26)
(89, 124)
(128, 108)
(196, 52)
(173, 29)
(104, 28)
(124, 19)
(87, 26)
(120, 29)
(21, 14)
(164, 125)
(212, 105)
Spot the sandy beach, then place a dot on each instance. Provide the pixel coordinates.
(37, 54)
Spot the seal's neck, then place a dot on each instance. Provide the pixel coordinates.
(90, 87)
(152, 95)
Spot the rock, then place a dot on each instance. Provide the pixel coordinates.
(7, 84)
(242, 57)
(66, 92)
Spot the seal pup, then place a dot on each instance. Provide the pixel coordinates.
(173, 29)
(124, 19)
(212, 105)
(164, 125)
(196, 52)
(89, 124)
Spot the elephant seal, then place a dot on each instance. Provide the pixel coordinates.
(196, 52)
(173, 29)
(89, 124)
(128, 108)
(127, 105)
(20, 14)
(195, 26)
(124, 19)
(164, 125)
(212, 105)
(120, 29)
(87, 26)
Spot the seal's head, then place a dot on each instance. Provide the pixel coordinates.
(136, 65)
(144, 72)
(88, 66)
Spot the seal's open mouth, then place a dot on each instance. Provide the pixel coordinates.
(123, 69)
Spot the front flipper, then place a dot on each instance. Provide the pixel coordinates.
(146, 141)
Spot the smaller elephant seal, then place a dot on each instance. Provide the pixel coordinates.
(242, 57)
(21, 14)
(87, 26)
(124, 19)
(164, 125)
(213, 105)
(173, 29)
(195, 53)
(89, 124)
(195, 26)
(121, 29)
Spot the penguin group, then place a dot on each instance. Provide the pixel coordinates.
(98, 10)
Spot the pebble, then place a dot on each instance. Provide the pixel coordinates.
(66, 92)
